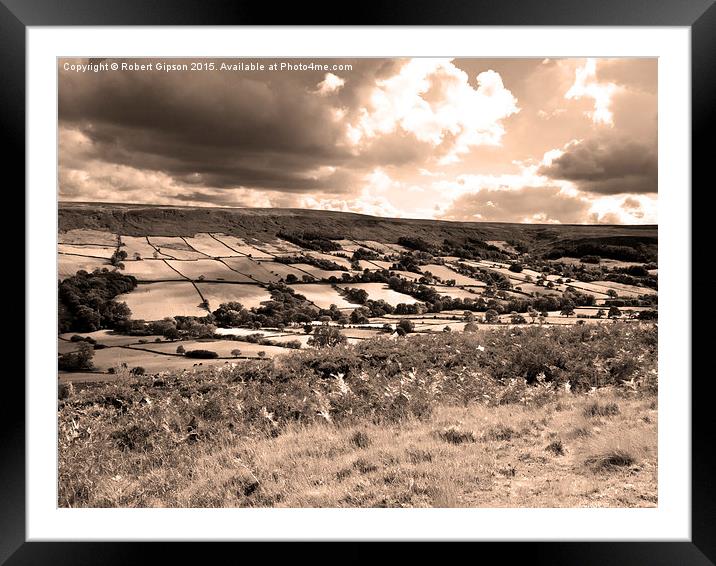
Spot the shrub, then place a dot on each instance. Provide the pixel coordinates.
(596, 409)
(454, 435)
(133, 437)
(499, 432)
(406, 325)
(610, 459)
(556, 447)
(360, 439)
(516, 267)
(201, 354)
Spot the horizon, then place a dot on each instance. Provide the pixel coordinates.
(318, 211)
(519, 140)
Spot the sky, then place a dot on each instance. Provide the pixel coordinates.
(536, 140)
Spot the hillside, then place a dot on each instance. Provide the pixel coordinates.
(265, 223)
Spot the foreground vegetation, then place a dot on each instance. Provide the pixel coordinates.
(520, 416)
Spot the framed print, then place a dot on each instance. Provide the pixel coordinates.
(412, 277)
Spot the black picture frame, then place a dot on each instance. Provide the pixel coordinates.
(17, 15)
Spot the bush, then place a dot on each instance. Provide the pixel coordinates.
(360, 439)
(133, 437)
(597, 409)
(454, 435)
(406, 325)
(201, 354)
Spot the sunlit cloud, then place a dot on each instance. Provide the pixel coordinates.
(586, 85)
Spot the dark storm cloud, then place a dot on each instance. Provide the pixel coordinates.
(607, 165)
(225, 128)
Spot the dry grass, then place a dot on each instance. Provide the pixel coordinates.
(435, 462)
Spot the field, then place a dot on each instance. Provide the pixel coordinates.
(323, 295)
(139, 248)
(86, 250)
(207, 269)
(445, 274)
(381, 292)
(68, 265)
(154, 301)
(210, 246)
(241, 247)
(247, 295)
(152, 270)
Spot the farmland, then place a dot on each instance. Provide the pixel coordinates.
(397, 363)
(181, 273)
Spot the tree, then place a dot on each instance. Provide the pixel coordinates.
(601, 313)
(651, 314)
(291, 278)
(326, 336)
(516, 318)
(614, 312)
(236, 352)
(533, 314)
(180, 349)
(492, 316)
(406, 325)
(261, 354)
(516, 267)
(612, 294)
(567, 309)
(80, 359)
(118, 257)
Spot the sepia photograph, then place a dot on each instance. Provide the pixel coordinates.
(357, 282)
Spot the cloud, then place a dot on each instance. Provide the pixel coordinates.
(330, 84)
(432, 100)
(587, 85)
(606, 165)
(637, 209)
(546, 204)
(372, 199)
(419, 138)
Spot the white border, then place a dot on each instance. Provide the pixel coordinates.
(670, 521)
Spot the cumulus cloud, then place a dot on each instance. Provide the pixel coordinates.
(606, 165)
(433, 100)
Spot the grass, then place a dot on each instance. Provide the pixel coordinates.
(439, 424)
(404, 465)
